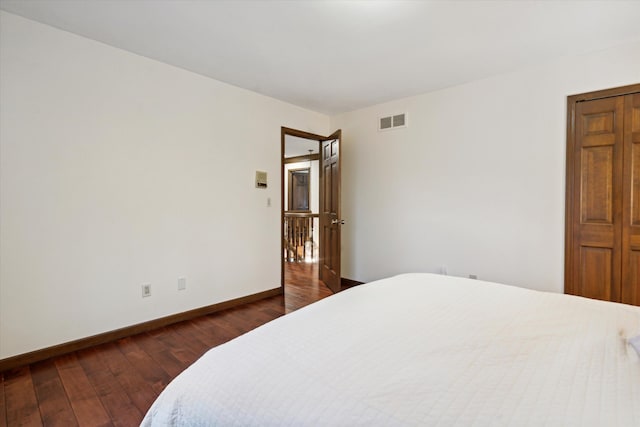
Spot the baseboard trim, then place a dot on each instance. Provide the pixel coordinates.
(82, 343)
(348, 283)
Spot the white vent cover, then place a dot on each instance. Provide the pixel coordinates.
(393, 122)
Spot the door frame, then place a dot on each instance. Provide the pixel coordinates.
(290, 191)
(572, 102)
(284, 131)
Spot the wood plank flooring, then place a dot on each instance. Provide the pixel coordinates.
(115, 383)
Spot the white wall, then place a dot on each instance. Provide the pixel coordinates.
(117, 170)
(476, 182)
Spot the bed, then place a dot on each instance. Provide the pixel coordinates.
(421, 349)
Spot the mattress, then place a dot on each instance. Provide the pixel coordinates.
(421, 349)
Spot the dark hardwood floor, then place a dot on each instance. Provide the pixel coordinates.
(115, 383)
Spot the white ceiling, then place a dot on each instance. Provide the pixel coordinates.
(294, 146)
(337, 56)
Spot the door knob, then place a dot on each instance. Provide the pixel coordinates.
(337, 221)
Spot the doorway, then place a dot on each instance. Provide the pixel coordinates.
(310, 228)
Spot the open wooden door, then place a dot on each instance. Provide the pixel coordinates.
(330, 220)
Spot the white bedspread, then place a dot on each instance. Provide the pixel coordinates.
(421, 349)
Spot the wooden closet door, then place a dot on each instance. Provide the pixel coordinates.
(631, 202)
(597, 199)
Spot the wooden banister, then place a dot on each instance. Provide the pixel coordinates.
(298, 235)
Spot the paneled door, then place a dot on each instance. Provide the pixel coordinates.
(603, 196)
(597, 236)
(630, 293)
(330, 219)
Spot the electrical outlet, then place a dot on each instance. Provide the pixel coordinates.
(473, 276)
(146, 290)
(182, 283)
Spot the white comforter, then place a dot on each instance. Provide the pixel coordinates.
(421, 349)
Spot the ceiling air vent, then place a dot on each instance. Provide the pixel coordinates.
(393, 122)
